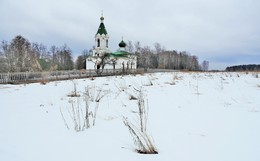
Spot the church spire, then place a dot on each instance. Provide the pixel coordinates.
(102, 28)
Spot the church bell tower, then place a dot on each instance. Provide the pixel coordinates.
(101, 39)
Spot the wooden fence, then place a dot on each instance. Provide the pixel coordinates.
(30, 77)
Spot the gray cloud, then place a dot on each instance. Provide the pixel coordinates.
(210, 29)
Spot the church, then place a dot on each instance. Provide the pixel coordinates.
(102, 58)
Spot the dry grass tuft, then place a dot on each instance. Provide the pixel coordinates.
(74, 93)
(43, 82)
(149, 82)
(131, 97)
(45, 79)
(143, 141)
(82, 112)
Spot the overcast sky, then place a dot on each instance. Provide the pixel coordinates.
(224, 32)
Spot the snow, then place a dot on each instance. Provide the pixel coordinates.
(192, 117)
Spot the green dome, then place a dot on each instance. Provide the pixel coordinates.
(122, 44)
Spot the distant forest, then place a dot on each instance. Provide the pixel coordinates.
(250, 67)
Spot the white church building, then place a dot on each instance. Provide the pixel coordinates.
(101, 56)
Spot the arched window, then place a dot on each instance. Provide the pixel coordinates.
(98, 43)
(107, 43)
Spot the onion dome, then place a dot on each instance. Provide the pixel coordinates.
(122, 44)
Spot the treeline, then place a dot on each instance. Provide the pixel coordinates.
(159, 57)
(20, 56)
(250, 67)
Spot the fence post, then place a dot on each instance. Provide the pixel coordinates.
(7, 77)
(3, 78)
(26, 76)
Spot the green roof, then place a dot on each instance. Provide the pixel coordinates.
(119, 54)
(102, 29)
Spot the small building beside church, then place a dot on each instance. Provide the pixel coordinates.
(102, 58)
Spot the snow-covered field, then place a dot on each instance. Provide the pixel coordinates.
(191, 117)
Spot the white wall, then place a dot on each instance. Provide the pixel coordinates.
(119, 64)
(90, 65)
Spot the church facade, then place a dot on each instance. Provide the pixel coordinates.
(102, 58)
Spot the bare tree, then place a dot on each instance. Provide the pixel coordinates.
(19, 55)
(130, 47)
(158, 48)
(205, 65)
(40, 50)
(143, 58)
(4, 52)
(43, 55)
(62, 57)
(85, 53)
(101, 62)
(137, 47)
(66, 62)
(80, 62)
